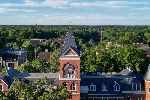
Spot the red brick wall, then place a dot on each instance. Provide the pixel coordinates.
(134, 96)
(147, 86)
(75, 97)
(5, 87)
(76, 64)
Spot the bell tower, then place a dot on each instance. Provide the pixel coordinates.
(70, 66)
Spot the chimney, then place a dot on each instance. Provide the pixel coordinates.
(138, 70)
(101, 35)
(46, 50)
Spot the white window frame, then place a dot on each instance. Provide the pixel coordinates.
(2, 87)
(117, 98)
(92, 87)
(104, 98)
(73, 86)
(149, 90)
(129, 97)
(93, 98)
(104, 88)
(136, 86)
(140, 98)
(117, 87)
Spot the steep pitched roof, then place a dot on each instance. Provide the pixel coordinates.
(70, 42)
(147, 75)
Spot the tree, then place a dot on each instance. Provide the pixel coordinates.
(88, 60)
(29, 48)
(54, 61)
(44, 90)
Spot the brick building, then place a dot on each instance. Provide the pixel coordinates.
(12, 58)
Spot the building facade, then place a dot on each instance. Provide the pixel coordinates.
(12, 58)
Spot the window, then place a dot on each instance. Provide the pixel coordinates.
(116, 87)
(1, 87)
(104, 98)
(149, 90)
(93, 98)
(92, 87)
(117, 99)
(64, 84)
(104, 88)
(128, 98)
(133, 86)
(69, 71)
(136, 86)
(139, 98)
(73, 86)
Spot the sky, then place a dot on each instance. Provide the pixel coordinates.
(75, 12)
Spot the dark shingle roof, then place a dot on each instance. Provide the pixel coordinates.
(70, 42)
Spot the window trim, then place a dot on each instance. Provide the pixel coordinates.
(140, 98)
(136, 86)
(104, 98)
(104, 88)
(2, 87)
(149, 90)
(73, 85)
(94, 87)
(117, 87)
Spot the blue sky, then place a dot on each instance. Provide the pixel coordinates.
(78, 12)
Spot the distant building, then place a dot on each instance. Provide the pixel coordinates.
(12, 58)
(35, 42)
(44, 55)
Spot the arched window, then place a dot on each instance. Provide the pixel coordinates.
(64, 84)
(116, 86)
(69, 71)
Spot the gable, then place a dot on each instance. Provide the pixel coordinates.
(70, 52)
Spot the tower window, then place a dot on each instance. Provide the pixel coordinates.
(149, 90)
(69, 71)
(64, 84)
(1, 87)
(73, 86)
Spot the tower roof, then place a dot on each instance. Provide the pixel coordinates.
(147, 75)
(69, 42)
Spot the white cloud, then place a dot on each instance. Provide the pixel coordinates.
(59, 4)
(4, 10)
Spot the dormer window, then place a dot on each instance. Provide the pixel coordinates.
(116, 86)
(104, 87)
(73, 86)
(92, 87)
(136, 86)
